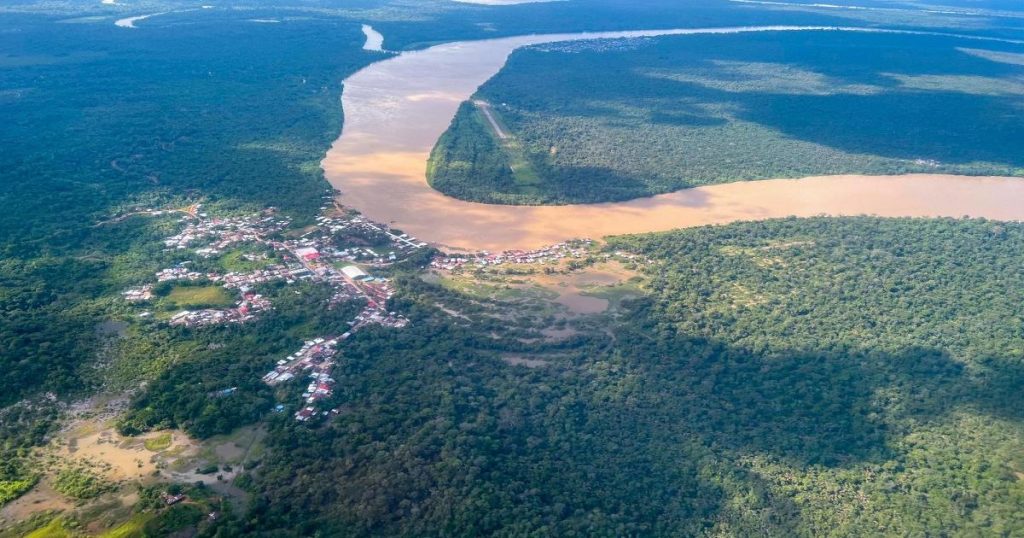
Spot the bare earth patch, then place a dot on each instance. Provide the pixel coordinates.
(91, 440)
(575, 289)
(41, 498)
(119, 457)
(525, 361)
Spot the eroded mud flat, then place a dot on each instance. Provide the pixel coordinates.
(396, 109)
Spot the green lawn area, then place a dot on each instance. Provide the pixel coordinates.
(526, 176)
(236, 260)
(129, 529)
(200, 297)
(158, 443)
(53, 529)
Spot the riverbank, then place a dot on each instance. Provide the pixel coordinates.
(396, 109)
(374, 39)
(129, 22)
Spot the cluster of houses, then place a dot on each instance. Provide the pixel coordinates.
(316, 360)
(181, 271)
(377, 291)
(261, 276)
(320, 241)
(289, 272)
(312, 256)
(321, 386)
(312, 246)
(220, 233)
(550, 254)
(337, 224)
(141, 293)
(372, 315)
(320, 259)
(170, 498)
(316, 357)
(246, 310)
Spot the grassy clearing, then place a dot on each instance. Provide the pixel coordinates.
(616, 294)
(54, 529)
(199, 297)
(526, 177)
(106, 514)
(132, 528)
(79, 482)
(158, 443)
(234, 448)
(244, 260)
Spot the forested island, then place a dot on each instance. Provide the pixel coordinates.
(588, 122)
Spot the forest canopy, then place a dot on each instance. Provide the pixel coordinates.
(850, 376)
(799, 377)
(620, 119)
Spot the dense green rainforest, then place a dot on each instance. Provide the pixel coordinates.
(848, 376)
(842, 377)
(595, 122)
(193, 105)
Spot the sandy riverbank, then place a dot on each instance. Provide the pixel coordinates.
(129, 22)
(374, 39)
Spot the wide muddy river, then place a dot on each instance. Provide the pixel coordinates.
(396, 109)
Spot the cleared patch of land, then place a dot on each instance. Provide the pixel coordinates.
(245, 260)
(42, 498)
(199, 296)
(581, 291)
(564, 290)
(91, 469)
(118, 457)
(516, 360)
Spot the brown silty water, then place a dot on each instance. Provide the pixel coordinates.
(396, 109)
